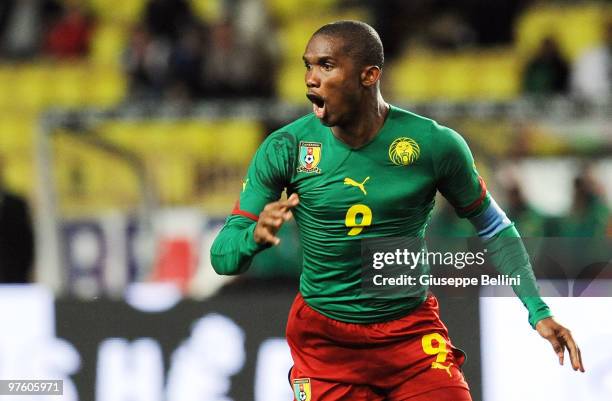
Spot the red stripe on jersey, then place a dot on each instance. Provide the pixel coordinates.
(483, 193)
(237, 210)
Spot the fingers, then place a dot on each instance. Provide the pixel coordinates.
(283, 205)
(291, 202)
(574, 351)
(580, 360)
(272, 218)
(268, 225)
(557, 347)
(561, 338)
(549, 329)
(265, 236)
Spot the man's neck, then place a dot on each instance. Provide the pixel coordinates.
(366, 125)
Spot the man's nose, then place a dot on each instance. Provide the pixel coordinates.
(312, 79)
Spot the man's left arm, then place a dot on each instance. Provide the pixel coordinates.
(460, 183)
(510, 257)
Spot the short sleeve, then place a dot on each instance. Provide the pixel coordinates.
(457, 178)
(268, 174)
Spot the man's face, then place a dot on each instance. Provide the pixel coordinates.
(332, 79)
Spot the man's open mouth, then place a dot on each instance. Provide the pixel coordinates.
(318, 104)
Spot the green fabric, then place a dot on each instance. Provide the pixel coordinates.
(280, 261)
(398, 195)
(234, 247)
(508, 255)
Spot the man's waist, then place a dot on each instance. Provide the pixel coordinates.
(362, 310)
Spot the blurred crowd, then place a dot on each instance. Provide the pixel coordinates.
(172, 53)
(44, 28)
(588, 216)
(444, 24)
(549, 72)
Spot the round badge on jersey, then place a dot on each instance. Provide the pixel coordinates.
(404, 151)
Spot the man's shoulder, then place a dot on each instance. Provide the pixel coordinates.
(301, 127)
(441, 140)
(406, 116)
(426, 126)
(284, 140)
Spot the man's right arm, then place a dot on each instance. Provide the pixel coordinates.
(234, 248)
(241, 238)
(258, 215)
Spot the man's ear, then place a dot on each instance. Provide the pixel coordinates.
(370, 75)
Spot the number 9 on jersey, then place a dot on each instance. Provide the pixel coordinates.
(361, 213)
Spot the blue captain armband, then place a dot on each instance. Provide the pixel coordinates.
(491, 221)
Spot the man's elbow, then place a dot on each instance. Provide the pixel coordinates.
(220, 265)
(226, 266)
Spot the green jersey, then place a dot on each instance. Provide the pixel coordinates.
(385, 188)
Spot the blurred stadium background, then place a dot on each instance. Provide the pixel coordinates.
(127, 127)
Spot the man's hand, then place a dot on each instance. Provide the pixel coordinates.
(272, 217)
(560, 338)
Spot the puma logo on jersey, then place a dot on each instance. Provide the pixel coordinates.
(360, 185)
(438, 365)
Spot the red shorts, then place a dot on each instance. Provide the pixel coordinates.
(390, 361)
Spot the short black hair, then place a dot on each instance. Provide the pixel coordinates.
(361, 41)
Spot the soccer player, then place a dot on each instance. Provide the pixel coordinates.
(358, 168)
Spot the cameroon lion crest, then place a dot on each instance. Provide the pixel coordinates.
(404, 151)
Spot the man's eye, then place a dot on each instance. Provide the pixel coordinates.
(327, 67)
(307, 66)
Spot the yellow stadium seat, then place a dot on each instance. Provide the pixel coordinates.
(17, 132)
(455, 80)
(108, 44)
(295, 35)
(33, 86)
(499, 76)
(294, 10)
(91, 179)
(202, 141)
(582, 29)
(9, 85)
(106, 87)
(238, 140)
(465, 76)
(174, 153)
(126, 134)
(16, 150)
(576, 27)
(290, 84)
(68, 86)
(208, 10)
(118, 11)
(413, 77)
